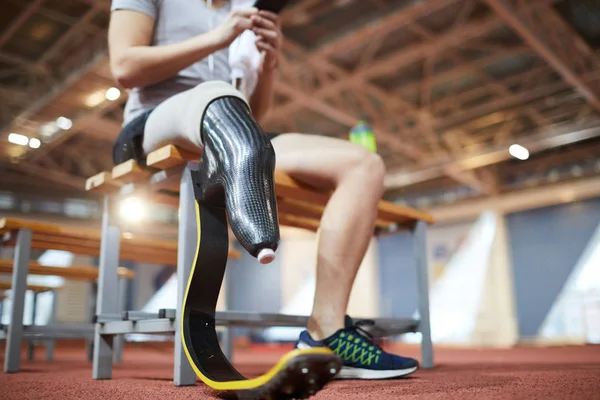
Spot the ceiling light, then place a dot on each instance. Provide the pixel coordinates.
(64, 123)
(48, 130)
(34, 143)
(518, 151)
(19, 139)
(113, 94)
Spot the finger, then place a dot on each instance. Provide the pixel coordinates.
(274, 43)
(244, 23)
(246, 12)
(264, 46)
(264, 22)
(266, 33)
(269, 15)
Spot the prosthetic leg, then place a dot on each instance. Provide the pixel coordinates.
(235, 180)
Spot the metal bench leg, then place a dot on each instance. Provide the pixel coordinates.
(31, 343)
(420, 240)
(107, 302)
(91, 310)
(12, 361)
(120, 339)
(184, 375)
(50, 343)
(227, 342)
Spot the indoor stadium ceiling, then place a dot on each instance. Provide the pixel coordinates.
(449, 86)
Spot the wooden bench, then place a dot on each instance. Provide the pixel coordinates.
(36, 289)
(86, 273)
(299, 206)
(27, 235)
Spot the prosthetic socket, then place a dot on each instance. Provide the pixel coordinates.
(237, 170)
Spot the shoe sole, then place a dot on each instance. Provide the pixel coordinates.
(371, 374)
(300, 378)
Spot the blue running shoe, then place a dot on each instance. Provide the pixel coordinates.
(362, 358)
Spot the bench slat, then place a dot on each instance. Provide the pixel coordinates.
(402, 214)
(48, 236)
(73, 272)
(102, 183)
(4, 285)
(299, 222)
(138, 255)
(129, 171)
(170, 156)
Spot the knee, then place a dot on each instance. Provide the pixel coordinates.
(370, 167)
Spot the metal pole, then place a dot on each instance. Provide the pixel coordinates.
(420, 243)
(107, 302)
(14, 339)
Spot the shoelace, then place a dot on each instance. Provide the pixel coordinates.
(363, 332)
(367, 336)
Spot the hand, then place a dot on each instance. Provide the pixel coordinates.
(234, 25)
(267, 28)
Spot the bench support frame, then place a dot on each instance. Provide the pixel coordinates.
(14, 338)
(420, 253)
(107, 302)
(184, 374)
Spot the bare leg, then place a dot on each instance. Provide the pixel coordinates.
(356, 175)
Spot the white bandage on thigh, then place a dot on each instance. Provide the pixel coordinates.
(178, 119)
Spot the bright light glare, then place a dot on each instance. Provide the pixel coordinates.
(132, 209)
(518, 151)
(95, 98)
(34, 143)
(64, 123)
(113, 94)
(19, 139)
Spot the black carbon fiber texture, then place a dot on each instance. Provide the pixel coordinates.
(237, 169)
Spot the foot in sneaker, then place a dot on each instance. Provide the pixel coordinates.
(362, 358)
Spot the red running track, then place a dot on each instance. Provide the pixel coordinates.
(520, 373)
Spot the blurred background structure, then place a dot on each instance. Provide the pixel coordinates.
(486, 112)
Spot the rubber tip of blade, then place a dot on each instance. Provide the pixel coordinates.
(266, 256)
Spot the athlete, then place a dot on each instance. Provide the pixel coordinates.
(171, 53)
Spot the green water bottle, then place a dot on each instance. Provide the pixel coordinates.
(363, 134)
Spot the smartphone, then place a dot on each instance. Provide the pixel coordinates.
(274, 6)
